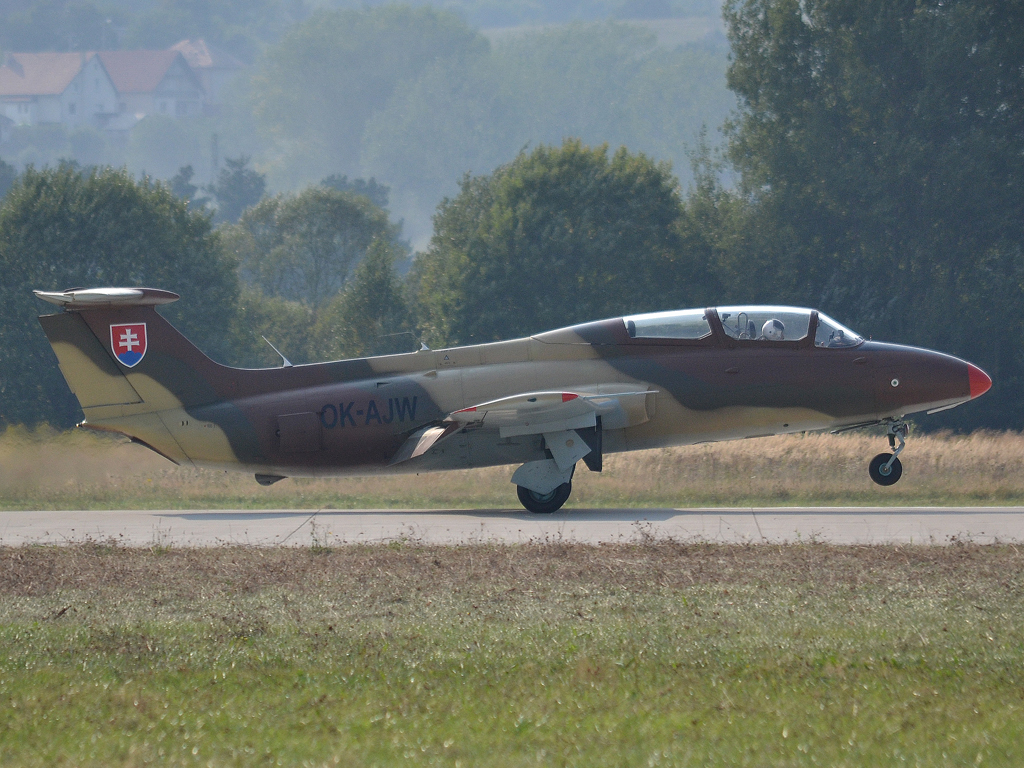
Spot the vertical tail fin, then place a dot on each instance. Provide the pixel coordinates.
(130, 369)
(92, 375)
(134, 373)
(120, 357)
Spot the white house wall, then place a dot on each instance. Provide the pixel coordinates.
(89, 97)
(177, 94)
(21, 111)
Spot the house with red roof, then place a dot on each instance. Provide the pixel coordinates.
(107, 89)
(70, 88)
(153, 83)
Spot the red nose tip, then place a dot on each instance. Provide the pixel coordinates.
(980, 381)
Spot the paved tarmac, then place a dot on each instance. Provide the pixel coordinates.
(838, 525)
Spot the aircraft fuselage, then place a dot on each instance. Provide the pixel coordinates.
(544, 401)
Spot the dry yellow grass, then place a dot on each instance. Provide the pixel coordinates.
(76, 470)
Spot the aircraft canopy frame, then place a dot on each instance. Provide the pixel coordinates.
(741, 325)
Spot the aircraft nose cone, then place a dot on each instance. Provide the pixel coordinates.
(981, 382)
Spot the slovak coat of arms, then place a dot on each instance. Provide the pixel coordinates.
(128, 341)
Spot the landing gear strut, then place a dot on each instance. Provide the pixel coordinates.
(885, 468)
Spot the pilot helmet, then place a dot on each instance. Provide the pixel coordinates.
(773, 330)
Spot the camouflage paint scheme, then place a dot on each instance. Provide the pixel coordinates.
(359, 417)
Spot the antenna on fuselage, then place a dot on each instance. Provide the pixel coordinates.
(286, 362)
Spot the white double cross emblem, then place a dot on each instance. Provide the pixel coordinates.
(130, 340)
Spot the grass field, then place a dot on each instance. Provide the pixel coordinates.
(81, 470)
(625, 655)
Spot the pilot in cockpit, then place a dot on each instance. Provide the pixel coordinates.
(773, 330)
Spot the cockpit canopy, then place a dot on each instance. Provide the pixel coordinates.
(749, 323)
(833, 335)
(678, 324)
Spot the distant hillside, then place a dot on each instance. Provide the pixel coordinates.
(670, 33)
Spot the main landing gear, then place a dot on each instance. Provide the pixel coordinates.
(544, 485)
(552, 486)
(885, 468)
(544, 503)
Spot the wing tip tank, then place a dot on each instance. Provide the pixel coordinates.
(104, 298)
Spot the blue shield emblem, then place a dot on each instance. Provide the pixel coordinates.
(128, 341)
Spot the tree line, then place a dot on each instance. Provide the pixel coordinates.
(406, 93)
(878, 159)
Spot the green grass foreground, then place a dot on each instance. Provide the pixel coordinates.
(624, 655)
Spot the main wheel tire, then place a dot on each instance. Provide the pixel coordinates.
(544, 503)
(880, 474)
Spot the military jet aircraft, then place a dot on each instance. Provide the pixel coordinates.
(545, 402)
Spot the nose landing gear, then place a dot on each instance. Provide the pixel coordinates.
(885, 468)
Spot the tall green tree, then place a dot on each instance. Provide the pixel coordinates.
(560, 235)
(237, 188)
(181, 185)
(881, 145)
(62, 227)
(303, 247)
(288, 325)
(370, 316)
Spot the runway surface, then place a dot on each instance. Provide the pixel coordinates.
(838, 525)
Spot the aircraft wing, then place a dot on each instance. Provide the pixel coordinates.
(534, 413)
(556, 415)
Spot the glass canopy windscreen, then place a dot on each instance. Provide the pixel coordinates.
(832, 335)
(680, 324)
(765, 323)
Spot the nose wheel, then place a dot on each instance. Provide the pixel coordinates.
(885, 468)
